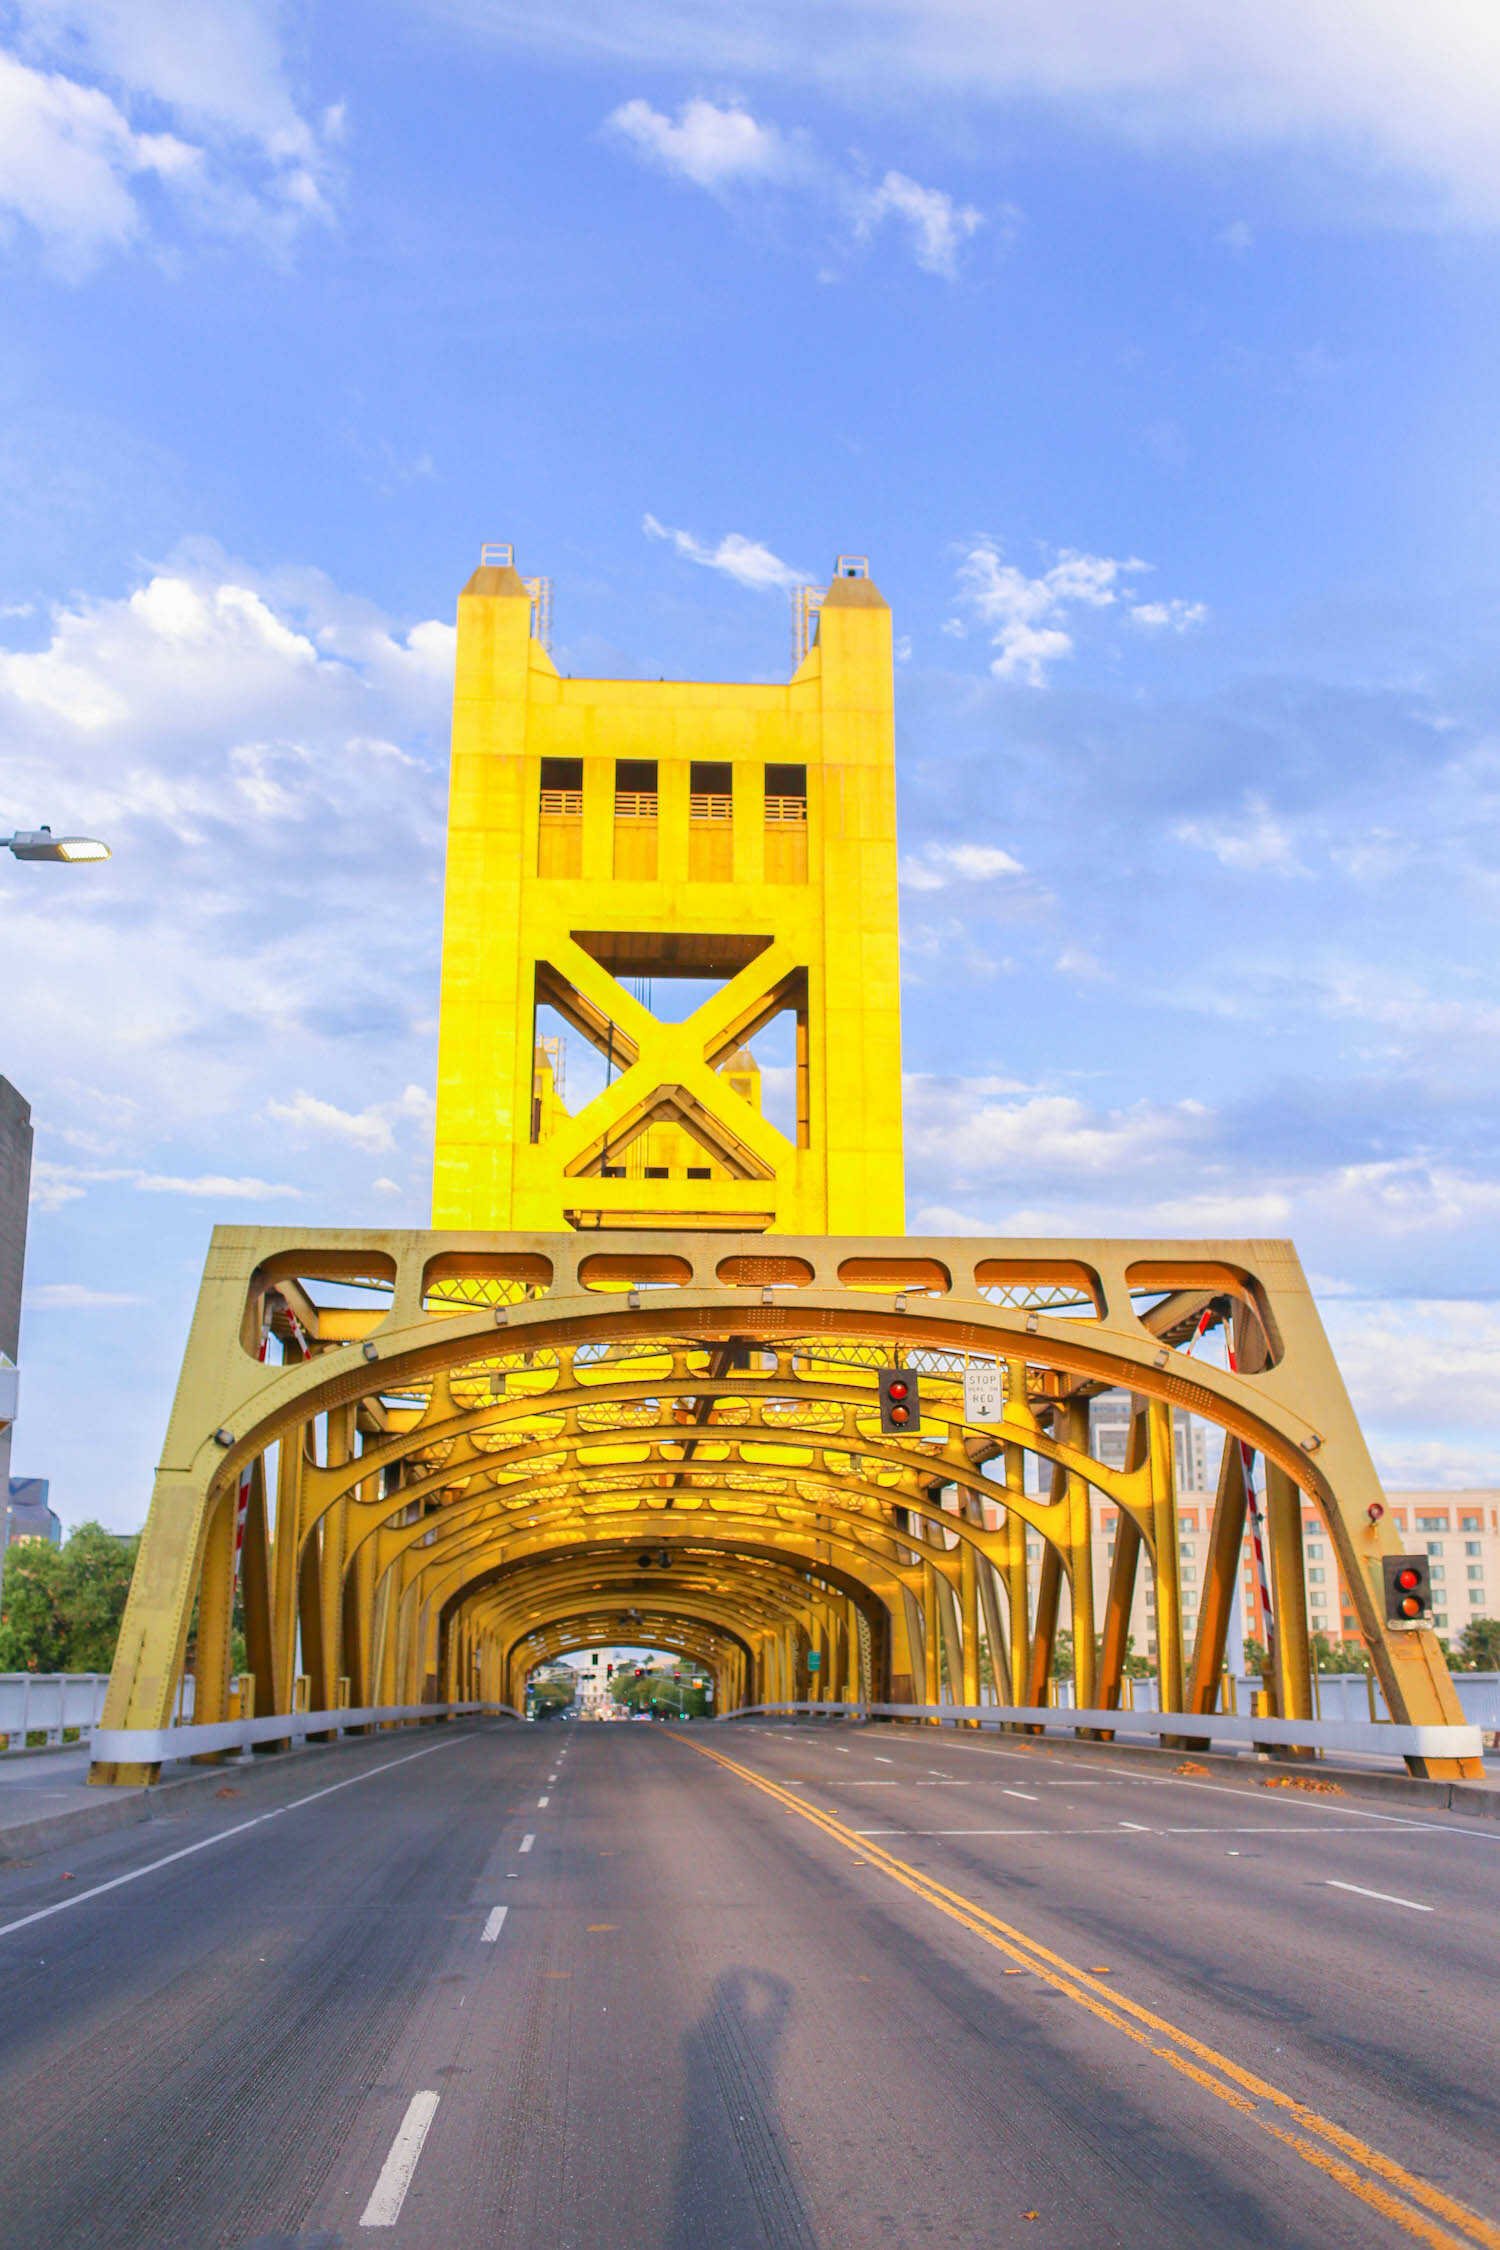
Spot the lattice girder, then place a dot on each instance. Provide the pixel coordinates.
(630, 1412)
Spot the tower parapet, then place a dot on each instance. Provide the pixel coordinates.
(608, 839)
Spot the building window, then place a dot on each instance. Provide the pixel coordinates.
(1475, 1570)
(1437, 1570)
(786, 795)
(1440, 1617)
(1315, 1578)
(1476, 1595)
(1472, 1547)
(1434, 1546)
(562, 787)
(1432, 1523)
(635, 789)
(1470, 1523)
(710, 790)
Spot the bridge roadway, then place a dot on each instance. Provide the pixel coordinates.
(970, 1992)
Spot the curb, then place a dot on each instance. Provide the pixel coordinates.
(1467, 1797)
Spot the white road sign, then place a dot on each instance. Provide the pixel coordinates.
(984, 1394)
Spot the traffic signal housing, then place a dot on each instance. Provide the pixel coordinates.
(1408, 1590)
(900, 1402)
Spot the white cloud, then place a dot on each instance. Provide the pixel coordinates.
(722, 147)
(967, 1137)
(1176, 617)
(76, 1296)
(1256, 845)
(53, 1185)
(937, 866)
(78, 169)
(939, 227)
(69, 163)
(1409, 104)
(746, 561)
(1397, 1358)
(372, 1129)
(711, 146)
(1030, 620)
(266, 757)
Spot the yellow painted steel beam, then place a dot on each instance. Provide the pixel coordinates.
(393, 1526)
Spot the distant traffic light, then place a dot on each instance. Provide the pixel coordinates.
(609, 1670)
(1408, 1589)
(900, 1401)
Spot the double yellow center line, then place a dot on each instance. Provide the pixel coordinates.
(1414, 2204)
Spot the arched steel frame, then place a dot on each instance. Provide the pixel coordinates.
(473, 1442)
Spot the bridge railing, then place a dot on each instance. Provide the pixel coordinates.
(1351, 1737)
(150, 1746)
(46, 1703)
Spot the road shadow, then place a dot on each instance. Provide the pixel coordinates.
(736, 2182)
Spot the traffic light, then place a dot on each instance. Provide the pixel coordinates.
(609, 1671)
(900, 1402)
(1408, 1590)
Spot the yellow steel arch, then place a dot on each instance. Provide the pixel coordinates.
(454, 1441)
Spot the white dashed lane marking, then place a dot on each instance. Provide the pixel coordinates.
(384, 2206)
(1386, 1898)
(494, 1925)
(527, 1842)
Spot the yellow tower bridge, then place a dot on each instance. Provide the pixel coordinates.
(626, 1388)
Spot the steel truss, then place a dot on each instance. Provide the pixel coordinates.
(429, 1461)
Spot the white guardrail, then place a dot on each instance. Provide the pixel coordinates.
(149, 1746)
(1362, 1737)
(46, 1702)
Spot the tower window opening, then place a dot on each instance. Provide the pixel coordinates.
(711, 790)
(786, 794)
(562, 788)
(635, 789)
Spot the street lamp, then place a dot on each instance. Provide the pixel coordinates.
(40, 843)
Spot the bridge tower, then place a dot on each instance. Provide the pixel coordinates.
(667, 869)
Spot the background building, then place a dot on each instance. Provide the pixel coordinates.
(1459, 1531)
(28, 1514)
(15, 1196)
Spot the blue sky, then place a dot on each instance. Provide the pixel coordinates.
(1150, 353)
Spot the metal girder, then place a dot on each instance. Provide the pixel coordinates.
(477, 1455)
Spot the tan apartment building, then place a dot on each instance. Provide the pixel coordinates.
(1458, 1531)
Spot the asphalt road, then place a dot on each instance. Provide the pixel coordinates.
(592, 1988)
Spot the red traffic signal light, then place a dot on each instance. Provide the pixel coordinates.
(609, 1671)
(1408, 1589)
(900, 1405)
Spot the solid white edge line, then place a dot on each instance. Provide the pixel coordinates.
(1029, 1794)
(494, 1925)
(527, 1842)
(223, 1836)
(389, 2192)
(1386, 1898)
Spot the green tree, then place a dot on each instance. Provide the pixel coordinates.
(1478, 1647)
(548, 1696)
(63, 1605)
(659, 1691)
(1338, 1656)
